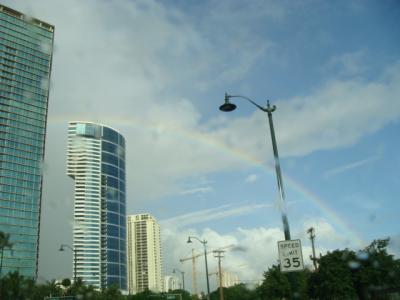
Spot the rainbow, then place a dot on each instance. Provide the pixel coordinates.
(236, 154)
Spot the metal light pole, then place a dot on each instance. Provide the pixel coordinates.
(227, 107)
(183, 277)
(204, 242)
(74, 252)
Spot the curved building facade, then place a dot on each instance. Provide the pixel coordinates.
(96, 162)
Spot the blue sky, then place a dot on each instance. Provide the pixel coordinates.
(157, 72)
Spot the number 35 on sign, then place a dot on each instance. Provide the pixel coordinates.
(290, 256)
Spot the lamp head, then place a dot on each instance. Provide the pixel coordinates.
(189, 240)
(61, 248)
(227, 106)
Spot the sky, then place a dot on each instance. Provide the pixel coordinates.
(157, 72)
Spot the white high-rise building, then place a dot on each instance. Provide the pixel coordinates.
(96, 163)
(229, 279)
(144, 254)
(171, 283)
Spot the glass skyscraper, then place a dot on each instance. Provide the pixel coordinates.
(96, 162)
(25, 62)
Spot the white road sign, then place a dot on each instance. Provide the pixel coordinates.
(290, 256)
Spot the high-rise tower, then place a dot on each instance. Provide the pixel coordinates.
(26, 46)
(96, 162)
(144, 254)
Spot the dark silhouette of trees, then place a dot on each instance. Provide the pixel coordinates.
(236, 292)
(377, 271)
(4, 243)
(333, 280)
(277, 285)
(371, 273)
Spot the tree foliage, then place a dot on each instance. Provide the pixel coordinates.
(4, 243)
(371, 273)
(275, 284)
(377, 271)
(345, 274)
(333, 280)
(236, 292)
(149, 295)
(278, 285)
(15, 286)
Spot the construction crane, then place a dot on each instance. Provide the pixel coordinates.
(193, 259)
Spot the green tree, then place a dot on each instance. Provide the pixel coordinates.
(367, 274)
(111, 292)
(4, 243)
(278, 285)
(375, 271)
(82, 291)
(66, 282)
(275, 285)
(142, 296)
(236, 292)
(16, 287)
(333, 280)
(50, 288)
(185, 294)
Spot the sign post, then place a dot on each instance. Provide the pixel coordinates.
(290, 256)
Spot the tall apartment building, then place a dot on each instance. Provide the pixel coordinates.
(26, 46)
(144, 254)
(96, 162)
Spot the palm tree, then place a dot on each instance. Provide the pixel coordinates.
(4, 243)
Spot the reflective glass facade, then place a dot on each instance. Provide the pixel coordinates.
(25, 62)
(96, 162)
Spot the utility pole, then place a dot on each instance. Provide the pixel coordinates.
(219, 254)
(193, 258)
(194, 279)
(311, 231)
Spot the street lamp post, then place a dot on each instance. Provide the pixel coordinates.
(204, 242)
(62, 247)
(183, 277)
(227, 107)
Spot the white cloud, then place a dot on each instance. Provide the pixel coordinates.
(350, 166)
(201, 190)
(216, 213)
(348, 64)
(256, 249)
(123, 64)
(337, 114)
(251, 178)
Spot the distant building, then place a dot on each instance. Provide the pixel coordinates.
(26, 49)
(144, 254)
(96, 162)
(229, 279)
(171, 283)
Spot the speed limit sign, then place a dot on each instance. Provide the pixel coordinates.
(290, 256)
